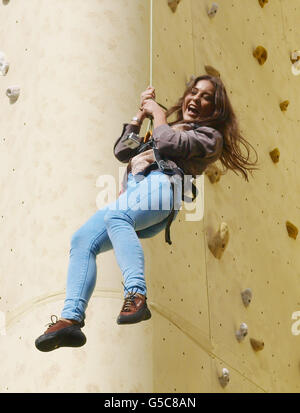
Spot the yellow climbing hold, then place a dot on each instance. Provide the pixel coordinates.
(213, 173)
(260, 54)
(291, 229)
(263, 2)
(284, 105)
(173, 4)
(210, 70)
(275, 154)
(257, 345)
(220, 240)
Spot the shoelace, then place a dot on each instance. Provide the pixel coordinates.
(52, 322)
(129, 299)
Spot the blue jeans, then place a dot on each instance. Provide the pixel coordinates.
(140, 212)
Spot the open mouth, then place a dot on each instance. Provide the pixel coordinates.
(192, 111)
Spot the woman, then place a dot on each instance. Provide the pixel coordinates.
(205, 130)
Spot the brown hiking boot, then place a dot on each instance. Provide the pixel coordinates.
(134, 309)
(61, 333)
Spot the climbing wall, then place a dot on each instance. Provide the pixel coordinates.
(202, 325)
(224, 296)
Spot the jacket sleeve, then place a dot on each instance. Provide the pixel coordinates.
(121, 151)
(203, 142)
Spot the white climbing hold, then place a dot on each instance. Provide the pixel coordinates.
(219, 241)
(13, 92)
(246, 296)
(213, 10)
(296, 68)
(295, 59)
(4, 65)
(242, 332)
(224, 379)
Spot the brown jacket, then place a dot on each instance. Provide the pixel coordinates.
(191, 147)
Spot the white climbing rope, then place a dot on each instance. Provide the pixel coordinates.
(150, 51)
(151, 38)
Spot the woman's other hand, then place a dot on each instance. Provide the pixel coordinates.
(141, 161)
(149, 93)
(150, 107)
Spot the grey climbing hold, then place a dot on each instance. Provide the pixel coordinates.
(4, 65)
(13, 92)
(242, 332)
(224, 379)
(213, 10)
(295, 59)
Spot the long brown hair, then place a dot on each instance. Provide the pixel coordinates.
(224, 120)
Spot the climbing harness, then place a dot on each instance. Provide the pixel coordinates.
(163, 165)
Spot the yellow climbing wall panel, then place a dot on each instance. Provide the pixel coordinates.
(81, 67)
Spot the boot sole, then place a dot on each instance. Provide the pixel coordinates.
(135, 318)
(61, 338)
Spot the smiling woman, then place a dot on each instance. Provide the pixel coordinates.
(205, 130)
(212, 108)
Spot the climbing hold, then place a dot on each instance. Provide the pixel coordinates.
(275, 154)
(173, 4)
(242, 332)
(283, 105)
(13, 93)
(4, 65)
(190, 82)
(263, 2)
(296, 68)
(260, 54)
(219, 242)
(295, 59)
(224, 379)
(213, 10)
(212, 71)
(291, 229)
(246, 296)
(213, 173)
(257, 345)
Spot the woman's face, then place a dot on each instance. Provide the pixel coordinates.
(199, 103)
